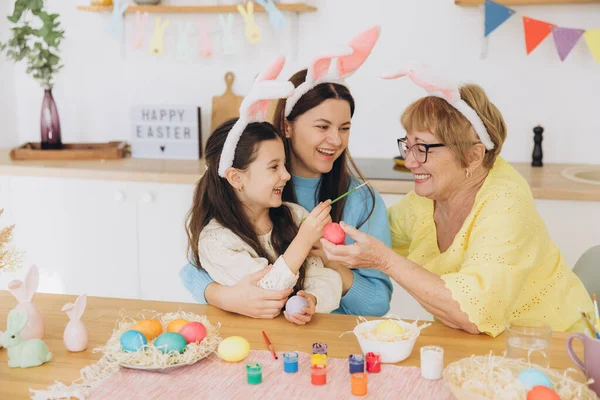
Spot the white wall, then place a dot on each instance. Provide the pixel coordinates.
(103, 76)
(8, 121)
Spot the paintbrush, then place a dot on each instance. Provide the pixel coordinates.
(596, 311)
(590, 325)
(348, 192)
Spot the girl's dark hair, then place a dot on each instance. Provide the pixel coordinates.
(337, 181)
(215, 198)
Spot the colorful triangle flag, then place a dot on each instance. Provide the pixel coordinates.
(495, 15)
(592, 37)
(535, 32)
(565, 39)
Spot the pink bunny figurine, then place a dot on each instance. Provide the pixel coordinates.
(24, 292)
(75, 336)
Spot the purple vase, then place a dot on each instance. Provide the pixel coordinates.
(50, 124)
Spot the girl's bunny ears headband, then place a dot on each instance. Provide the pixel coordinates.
(254, 108)
(347, 64)
(438, 86)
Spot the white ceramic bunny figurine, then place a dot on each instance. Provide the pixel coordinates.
(75, 335)
(24, 292)
(23, 353)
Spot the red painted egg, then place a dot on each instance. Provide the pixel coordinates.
(542, 393)
(193, 332)
(334, 233)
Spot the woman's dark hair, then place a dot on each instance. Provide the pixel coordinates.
(215, 198)
(337, 181)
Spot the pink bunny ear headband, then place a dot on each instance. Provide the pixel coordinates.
(346, 65)
(438, 86)
(254, 108)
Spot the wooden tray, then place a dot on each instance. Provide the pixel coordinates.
(72, 151)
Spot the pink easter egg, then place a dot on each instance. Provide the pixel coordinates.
(334, 233)
(193, 332)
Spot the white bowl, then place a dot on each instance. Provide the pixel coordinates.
(390, 352)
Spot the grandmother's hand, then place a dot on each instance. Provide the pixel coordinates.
(366, 252)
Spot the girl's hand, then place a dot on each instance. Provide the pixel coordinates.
(311, 228)
(303, 319)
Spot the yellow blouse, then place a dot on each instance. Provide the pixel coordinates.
(502, 263)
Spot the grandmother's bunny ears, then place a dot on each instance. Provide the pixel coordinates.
(346, 64)
(444, 88)
(254, 108)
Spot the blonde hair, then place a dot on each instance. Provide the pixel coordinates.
(435, 115)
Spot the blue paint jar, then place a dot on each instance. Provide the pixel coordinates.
(290, 362)
(356, 363)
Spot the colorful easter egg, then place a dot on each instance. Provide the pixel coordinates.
(170, 341)
(132, 340)
(334, 233)
(233, 349)
(176, 325)
(542, 393)
(531, 377)
(295, 304)
(194, 332)
(389, 328)
(151, 328)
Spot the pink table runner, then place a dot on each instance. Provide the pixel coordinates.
(213, 378)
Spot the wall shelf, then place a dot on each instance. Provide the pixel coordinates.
(524, 2)
(295, 7)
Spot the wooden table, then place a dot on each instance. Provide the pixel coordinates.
(102, 313)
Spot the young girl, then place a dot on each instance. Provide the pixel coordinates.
(238, 223)
(315, 122)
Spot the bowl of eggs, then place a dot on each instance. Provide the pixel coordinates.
(393, 339)
(163, 341)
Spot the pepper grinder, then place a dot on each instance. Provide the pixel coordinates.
(537, 147)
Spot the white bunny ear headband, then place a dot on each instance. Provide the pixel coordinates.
(346, 64)
(438, 86)
(254, 108)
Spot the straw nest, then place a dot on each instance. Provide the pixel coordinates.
(494, 377)
(149, 355)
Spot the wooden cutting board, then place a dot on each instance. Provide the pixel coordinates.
(225, 106)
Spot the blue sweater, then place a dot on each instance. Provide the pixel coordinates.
(371, 291)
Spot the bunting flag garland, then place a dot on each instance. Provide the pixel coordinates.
(535, 31)
(495, 15)
(592, 38)
(565, 39)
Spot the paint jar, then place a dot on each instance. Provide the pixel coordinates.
(318, 359)
(254, 371)
(319, 348)
(318, 374)
(432, 362)
(358, 383)
(373, 362)
(290, 362)
(356, 363)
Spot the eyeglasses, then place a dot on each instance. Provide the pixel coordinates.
(419, 150)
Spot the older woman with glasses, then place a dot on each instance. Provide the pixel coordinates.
(468, 242)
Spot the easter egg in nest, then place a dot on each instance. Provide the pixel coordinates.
(170, 341)
(334, 233)
(193, 332)
(531, 377)
(389, 328)
(150, 328)
(233, 349)
(542, 393)
(132, 340)
(176, 325)
(295, 304)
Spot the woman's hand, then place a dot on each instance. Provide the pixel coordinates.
(366, 252)
(247, 298)
(303, 319)
(311, 228)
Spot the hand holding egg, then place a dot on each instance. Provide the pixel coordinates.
(299, 313)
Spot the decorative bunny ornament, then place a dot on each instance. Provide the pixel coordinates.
(276, 17)
(227, 41)
(115, 24)
(206, 48)
(183, 43)
(75, 335)
(24, 292)
(140, 23)
(252, 30)
(254, 108)
(436, 85)
(346, 65)
(156, 45)
(23, 353)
